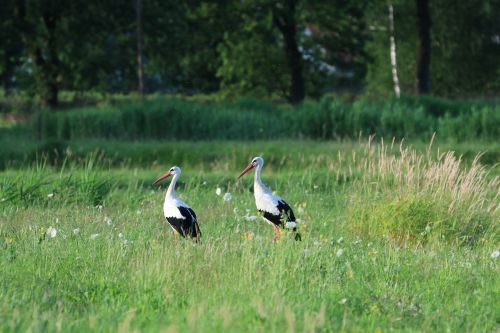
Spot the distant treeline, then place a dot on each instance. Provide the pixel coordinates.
(246, 119)
(290, 49)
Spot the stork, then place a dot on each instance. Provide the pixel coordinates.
(274, 209)
(179, 215)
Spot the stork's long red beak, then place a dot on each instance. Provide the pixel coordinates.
(165, 176)
(249, 167)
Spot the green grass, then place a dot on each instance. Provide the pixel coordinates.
(135, 275)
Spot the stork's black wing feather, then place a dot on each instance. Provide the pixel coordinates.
(286, 214)
(188, 226)
(285, 209)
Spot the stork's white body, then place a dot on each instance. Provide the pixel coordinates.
(178, 214)
(265, 200)
(275, 210)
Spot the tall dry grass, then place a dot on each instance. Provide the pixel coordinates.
(421, 196)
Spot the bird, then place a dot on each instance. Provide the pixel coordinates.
(274, 209)
(178, 214)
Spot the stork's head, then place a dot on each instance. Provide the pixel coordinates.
(175, 170)
(257, 162)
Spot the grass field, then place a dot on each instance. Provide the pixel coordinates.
(393, 240)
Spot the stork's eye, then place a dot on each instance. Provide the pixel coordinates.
(172, 170)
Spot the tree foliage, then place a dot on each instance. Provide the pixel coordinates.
(288, 49)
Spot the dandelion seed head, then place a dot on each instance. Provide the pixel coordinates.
(227, 197)
(51, 232)
(495, 254)
(108, 220)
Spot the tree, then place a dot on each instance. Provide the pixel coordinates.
(292, 48)
(463, 46)
(424, 46)
(284, 19)
(38, 25)
(140, 48)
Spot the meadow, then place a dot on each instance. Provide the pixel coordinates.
(396, 237)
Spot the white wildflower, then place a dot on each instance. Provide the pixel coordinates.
(99, 207)
(343, 301)
(495, 254)
(357, 241)
(51, 232)
(50, 195)
(317, 243)
(227, 197)
(307, 251)
(76, 231)
(108, 220)
(315, 187)
(236, 210)
(339, 252)
(290, 225)
(251, 218)
(218, 191)
(138, 212)
(120, 235)
(94, 236)
(340, 240)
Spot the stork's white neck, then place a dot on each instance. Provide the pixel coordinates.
(171, 188)
(257, 181)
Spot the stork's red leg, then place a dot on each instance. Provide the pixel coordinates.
(276, 231)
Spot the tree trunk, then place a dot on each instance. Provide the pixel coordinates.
(46, 63)
(50, 67)
(140, 48)
(424, 47)
(394, 65)
(284, 20)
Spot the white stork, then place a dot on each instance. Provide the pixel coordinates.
(179, 215)
(274, 209)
